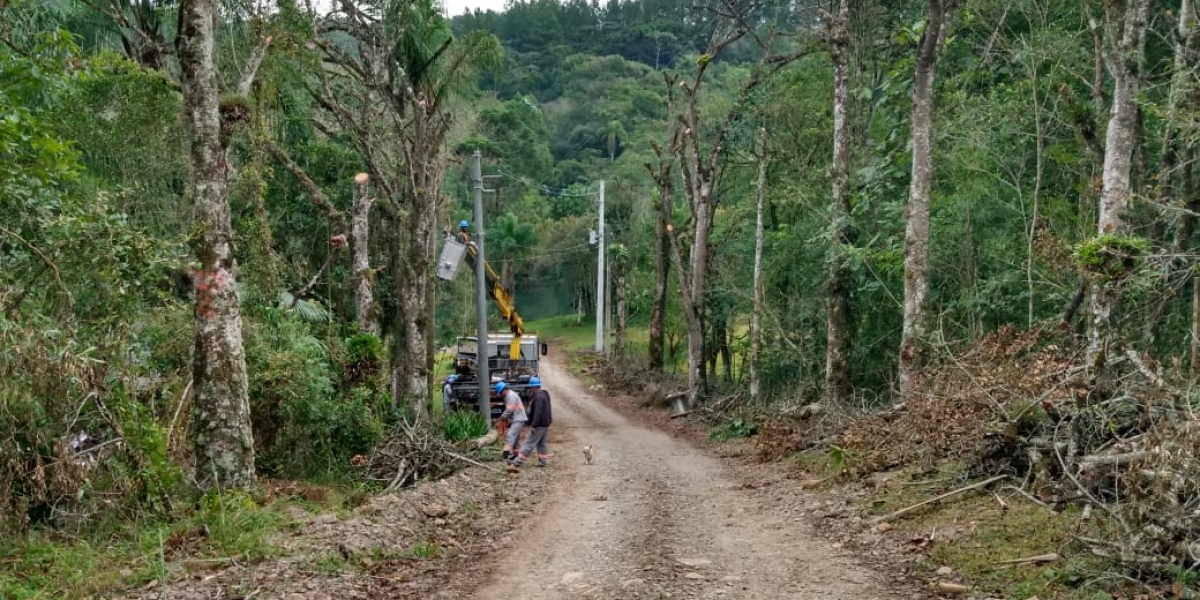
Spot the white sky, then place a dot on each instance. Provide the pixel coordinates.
(457, 7)
(453, 7)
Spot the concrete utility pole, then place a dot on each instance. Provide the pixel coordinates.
(481, 359)
(600, 277)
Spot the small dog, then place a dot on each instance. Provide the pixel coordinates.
(587, 455)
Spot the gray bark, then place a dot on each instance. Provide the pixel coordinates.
(662, 172)
(1195, 341)
(622, 315)
(1125, 64)
(916, 235)
(756, 342)
(220, 424)
(662, 267)
(837, 315)
(360, 248)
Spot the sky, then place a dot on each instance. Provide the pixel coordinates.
(453, 7)
(457, 7)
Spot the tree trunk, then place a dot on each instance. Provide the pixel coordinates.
(756, 342)
(1174, 168)
(1195, 345)
(1118, 158)
(837, 315)
(360, 247)
(221, 431)
(916, 235)
(622, 313)
(697, 277)
(412, 283)
(662, 267)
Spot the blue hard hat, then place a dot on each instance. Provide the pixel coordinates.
(463, 224)
(535, 382)
(452, 378)
(500, 386)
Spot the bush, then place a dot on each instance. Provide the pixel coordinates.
(303, 424)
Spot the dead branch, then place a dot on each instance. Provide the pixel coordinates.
(968, 488)
(1028, 560)
(337, 221)
(472, 461)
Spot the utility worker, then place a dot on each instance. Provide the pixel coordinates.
(448, 395)
(513, 416)
(539, 423)
(464, 236)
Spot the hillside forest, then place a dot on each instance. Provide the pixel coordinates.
(220, 221)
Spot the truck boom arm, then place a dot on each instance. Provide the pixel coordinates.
(500, 296)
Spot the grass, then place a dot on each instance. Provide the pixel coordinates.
(463, 425)
(1025, 529)
(47, 565)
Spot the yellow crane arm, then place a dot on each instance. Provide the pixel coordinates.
(504, 302)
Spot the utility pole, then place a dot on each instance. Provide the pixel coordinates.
(481, 364)
(600, 278)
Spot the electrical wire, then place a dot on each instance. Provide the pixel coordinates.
(566, 193)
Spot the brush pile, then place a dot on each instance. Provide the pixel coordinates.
(409, 453)
(1021, 403)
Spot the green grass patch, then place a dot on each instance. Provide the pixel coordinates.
(1023, 530)
(565, 332)
(462, 425)
(974, 532)
(737, 428)
(226, 527)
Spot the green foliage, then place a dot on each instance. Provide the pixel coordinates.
(463, 425)
(1110, 257)
(737, 428)
(304, 425)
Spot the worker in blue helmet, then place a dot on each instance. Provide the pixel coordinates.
(464, 235)
(539, 426)
(513, 416)
(448, 394)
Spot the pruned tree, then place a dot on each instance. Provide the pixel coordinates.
(360, 250)
(220, 424)
(916, 235)
(389, 74)
(662, 170)
(700, 156)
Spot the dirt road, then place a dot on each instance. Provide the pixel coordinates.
(655, 517)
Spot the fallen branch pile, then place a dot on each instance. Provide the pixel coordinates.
(409, 453)
(1155, 496)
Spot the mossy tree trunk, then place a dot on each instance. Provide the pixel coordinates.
(220, 424)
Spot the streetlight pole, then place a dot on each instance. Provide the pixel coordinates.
(600, 287)
(481, 364)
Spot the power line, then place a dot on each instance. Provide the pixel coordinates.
(544, 188)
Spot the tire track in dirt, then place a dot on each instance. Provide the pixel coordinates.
(655, 517)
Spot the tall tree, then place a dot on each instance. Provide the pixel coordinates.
(221, 431)
(916, 235)
(756, 337)
(390, 88)
(1126, 28)
(837, 311)
(662, 171)
(699, 153)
